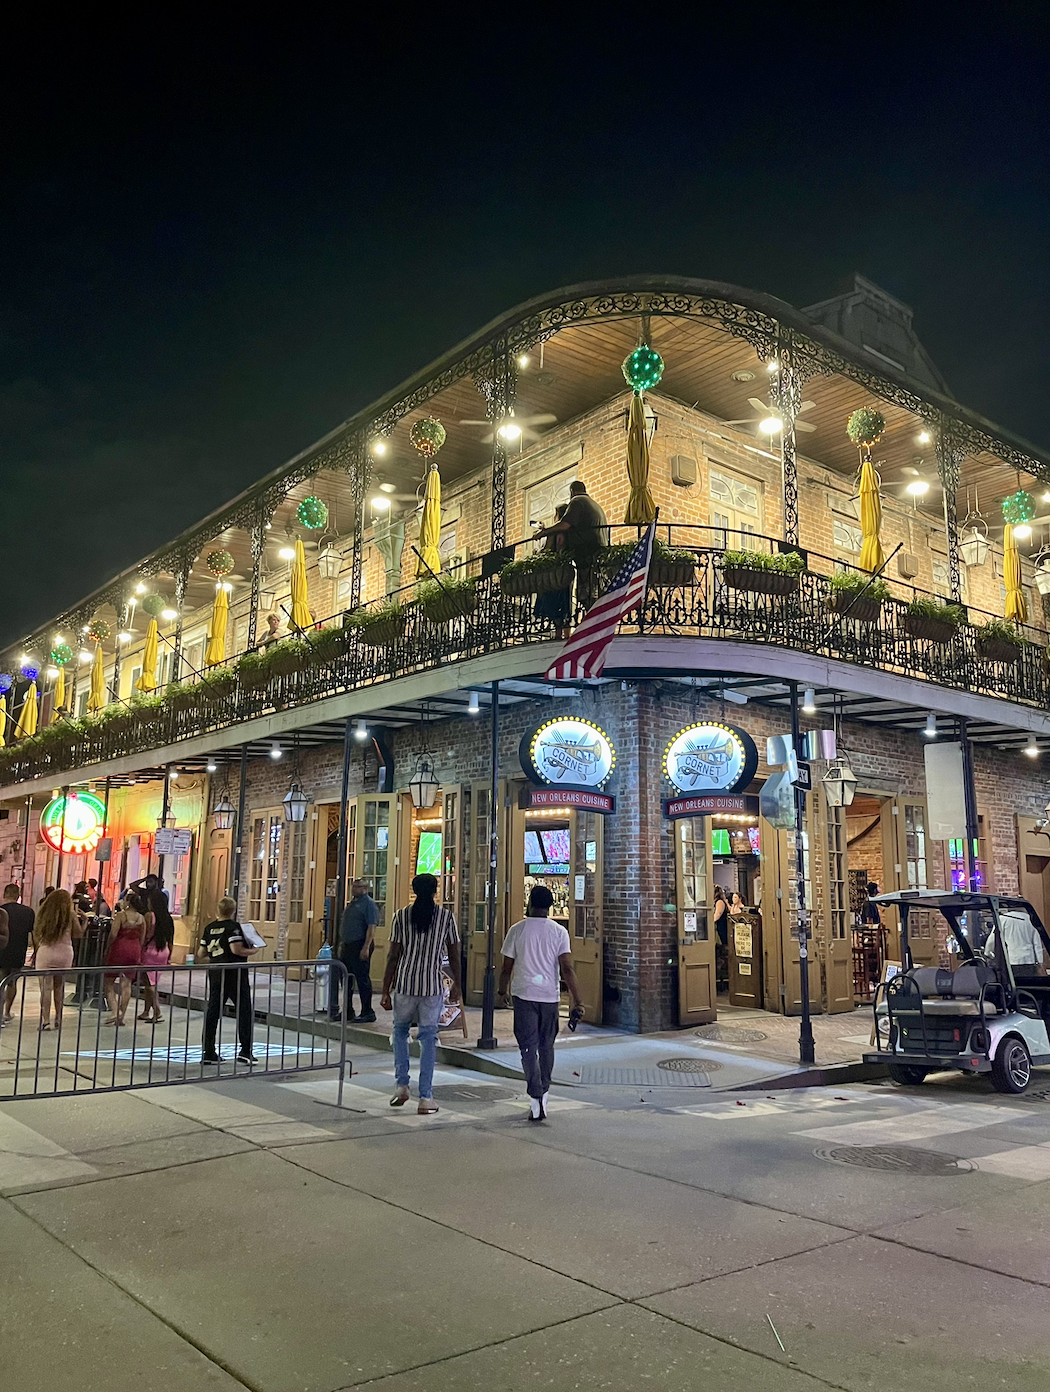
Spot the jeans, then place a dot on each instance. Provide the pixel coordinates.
(424, 1011)
(231, 985)
(536, 1029)
(358, 968)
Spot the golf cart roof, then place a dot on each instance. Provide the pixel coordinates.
(948, 899)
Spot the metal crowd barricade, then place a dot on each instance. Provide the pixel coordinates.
(82, 1054)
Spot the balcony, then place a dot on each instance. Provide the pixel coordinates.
(703, 599)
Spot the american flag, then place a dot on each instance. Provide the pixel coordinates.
(585, 648)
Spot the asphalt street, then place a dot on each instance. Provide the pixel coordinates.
(248, 1233)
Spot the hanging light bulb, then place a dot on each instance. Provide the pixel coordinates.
(931, 726)
(474, 704)
(1032, 748)
(809, 701)
(360, 729)
(275, 750)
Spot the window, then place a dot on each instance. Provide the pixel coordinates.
(837, 892)
(480, 857)
(297, 871)
(942, 580)
(82, 701)
(369, 845)
(692, 848)
(846, 536)
(915, 844)
(542, 498)
(450, 852)
(736, 508)
(957, 860)
(264, 882)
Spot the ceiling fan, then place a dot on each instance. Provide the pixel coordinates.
(768, 421)
(515, 428)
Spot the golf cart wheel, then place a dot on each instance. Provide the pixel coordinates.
(1012, 1066)
(907, 1074)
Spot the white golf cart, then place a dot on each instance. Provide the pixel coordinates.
(984, 1016)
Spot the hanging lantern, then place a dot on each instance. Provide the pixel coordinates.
(30, 670)
(154, 605)
(312, 513)
(98, 630)
(1042, 578)
(839, 783)
(642, 369)
(973, 550)
(329, 563)
(428, 435)
(295, 803)
(865, 427)
(219, 563)
(423, 785)
(1018, 508)
(61, 655)
(224, 814)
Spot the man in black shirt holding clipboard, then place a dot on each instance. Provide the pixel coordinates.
(224, 941)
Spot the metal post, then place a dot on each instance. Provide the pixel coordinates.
(62, 837)
(25, 847)
(99, 863)
(358, 483)
(341, 841)
(122, 623)
(488, 998)
(238, 851)
(164, 807)
(949, 462)
(182, 576)
(787, 394)
(806, 1052)
(499, 385)
(970, 804)
(258, 539)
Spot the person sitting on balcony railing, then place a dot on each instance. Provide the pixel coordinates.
(585, 533)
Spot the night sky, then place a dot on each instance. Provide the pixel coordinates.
(219, 243)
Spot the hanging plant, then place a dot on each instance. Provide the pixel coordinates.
(154, 605)
(98, 630)
(312, 513)
(865, 427)
(428, 435)
(1018, 507)
(61, 655)
(642, 369)
(219, 563)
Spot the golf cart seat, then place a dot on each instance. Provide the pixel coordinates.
(957, 992)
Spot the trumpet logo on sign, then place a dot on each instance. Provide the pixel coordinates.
(568, 753)
(710, 756)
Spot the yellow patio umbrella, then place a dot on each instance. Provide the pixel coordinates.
(4, 717)
(97, 694)
(58, 696)
(29, 713)
(220, 616)
(301, 616)
(430, 526)
(641, 507)
(148, 680)
(1016, 608)
(871, 552)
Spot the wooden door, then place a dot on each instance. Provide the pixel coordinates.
(585, 904)
(371, 841)
(323, 870)
(265, 845)
(216, 884)
(905, 866)
(787, 959)
(1033, 860)
(295, 924)
(476, 931)
(697, 990)
(832, 935)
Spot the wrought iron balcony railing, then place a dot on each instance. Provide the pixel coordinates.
(703, 599)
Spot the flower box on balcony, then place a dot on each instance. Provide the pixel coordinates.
(379, 627)
(287, 657)
(997, 642)
(253, 671)
(759, 573)
(539, 573)
(216, 686)
(441, 602)
(180, 698)
(667, 575)
(326, 645)
(857, 596)
(932, 621)
(671, 566)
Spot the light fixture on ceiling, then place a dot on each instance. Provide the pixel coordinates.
(523, 361)
(295, 802)
(224, 814)
(918, 488)
(474, 704)
(140, 588)
(169, 615)
(329, 563)
(1046, 496)
(84, 656)
(771, 425)
(839, 783)
(275, 750)
(59, 638)
(1022, 532)
(212, 766)
(743, 374)
(1032, 748)
(360, 729)
(388, 488)
(286, 553)
(52, 673)
(509, 431)
(423, 785)
(123, 637)
(809, 701)
(380, 503)
(931, 726)
(923, 437)
(379, 448)
(773, 366)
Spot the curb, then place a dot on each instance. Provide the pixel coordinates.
(829, 1076)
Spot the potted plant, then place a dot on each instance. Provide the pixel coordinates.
(761, 573)
(288, 656)
(670, 566)
(537, 574)
(253, 671)
(932, 619)
(181, 696)
(326, 645)
(380, 625)
(997, 641)
(217, 685)
(845, 595)
(447, 599)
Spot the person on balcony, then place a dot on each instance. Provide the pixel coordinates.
(584, 530)
(554, 605)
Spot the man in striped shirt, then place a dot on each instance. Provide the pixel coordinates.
(420, 937)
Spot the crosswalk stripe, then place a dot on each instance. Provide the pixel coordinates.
(242, 1119)
(27, 1157)
(935, 1120)
(1025, 1162)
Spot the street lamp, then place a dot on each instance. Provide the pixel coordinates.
(423, 785)
(224, 814)
(839, 783)
(329, 563)
(295, 803)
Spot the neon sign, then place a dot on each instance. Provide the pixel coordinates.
(74, 824)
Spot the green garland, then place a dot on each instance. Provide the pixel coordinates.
(427, 435)
(1018, 507)
(642, 369)
(312, 513)
(865, 426)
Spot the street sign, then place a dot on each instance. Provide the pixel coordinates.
(803, 777)
(104, 850)
(173, 841)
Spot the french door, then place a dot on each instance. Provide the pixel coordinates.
(697, 990)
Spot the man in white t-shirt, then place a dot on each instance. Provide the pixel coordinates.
(535, 953)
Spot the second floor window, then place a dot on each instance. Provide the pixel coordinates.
(736, 509)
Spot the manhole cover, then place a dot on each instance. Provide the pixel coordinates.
(730, 1034)
(463, 1092)
(689, 1065)
(641, 1077)
(895, 1159)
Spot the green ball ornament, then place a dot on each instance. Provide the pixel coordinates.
(1018, 507)
(312, 513)
(98, 630)
(61, 655)
(865, 426)
(428, 435)
(154, 605)
(642, 369)
(219, 563)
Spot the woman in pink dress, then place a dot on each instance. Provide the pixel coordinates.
(156, 952)
(57, 924)
(125, 953)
